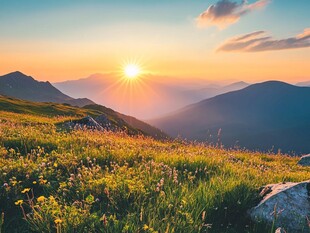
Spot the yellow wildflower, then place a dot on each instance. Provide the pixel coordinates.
(145, 227)
(26, 190)
(55, 164)
(19, 202)
(34, 182)
(58, 221)
(43, 181)
(41, 199)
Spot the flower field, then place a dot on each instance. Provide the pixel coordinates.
(53, 180)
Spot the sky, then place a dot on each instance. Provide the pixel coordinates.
(218, 40)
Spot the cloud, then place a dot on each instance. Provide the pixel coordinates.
(226, 12)
(258, 42)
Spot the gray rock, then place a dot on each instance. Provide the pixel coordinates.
(86, 122)
(104, 121)
(286, 205)
(304, 160)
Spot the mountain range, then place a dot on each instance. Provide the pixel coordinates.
(265, 116)
(19, 85)
(151, 96)
(18, 89)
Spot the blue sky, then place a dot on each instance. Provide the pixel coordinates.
(143, 26)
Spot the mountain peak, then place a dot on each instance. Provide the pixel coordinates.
(271, 85)
(17, 75)
(21, 86)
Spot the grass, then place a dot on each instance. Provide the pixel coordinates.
(88, 181)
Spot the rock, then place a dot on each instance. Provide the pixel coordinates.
(286, 205)
(104, 122)
(304, 160)
(86, 122)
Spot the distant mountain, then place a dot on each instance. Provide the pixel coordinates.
(303, 84)
(25, 87)
(210, 91)
(150, 96)
(266, 116)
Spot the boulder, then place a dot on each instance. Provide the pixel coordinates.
(286, 205)
(86, 122)
(104, 121)
(304, 160)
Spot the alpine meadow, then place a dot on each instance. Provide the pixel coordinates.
(160, 116)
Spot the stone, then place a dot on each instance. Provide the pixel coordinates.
(287, 205)
(304, 160)
(104, 121)
(86, 122)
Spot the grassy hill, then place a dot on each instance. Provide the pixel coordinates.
(90, 181)
(68, 112)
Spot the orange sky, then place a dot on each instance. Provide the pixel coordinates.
(56, 41)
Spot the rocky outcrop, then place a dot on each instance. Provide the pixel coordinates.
(103, 121)
(287, 205)
(84, 123)
(304, 160)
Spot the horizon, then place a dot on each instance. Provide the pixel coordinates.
(59, 41)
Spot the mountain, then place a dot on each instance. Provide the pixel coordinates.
(21, 86)
(116, 120)
(150, 96)
(303, 84)
(266, 116)
(212, 90)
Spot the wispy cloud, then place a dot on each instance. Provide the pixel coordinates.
(227, 12)
(258, 42)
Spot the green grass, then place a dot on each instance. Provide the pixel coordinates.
(118, 121)
(87, 181)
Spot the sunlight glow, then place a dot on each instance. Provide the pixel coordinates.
(132, 71)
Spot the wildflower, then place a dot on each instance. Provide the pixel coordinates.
(58, 221)
(203, 217)
(26, 190)
(41, 199)
(43, 181)
(104, 220)
(19, 202)
(34, 182)
(55, 165)
(145, 227)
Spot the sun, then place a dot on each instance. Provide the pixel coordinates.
(132, 71)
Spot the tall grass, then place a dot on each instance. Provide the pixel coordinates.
(88, 181)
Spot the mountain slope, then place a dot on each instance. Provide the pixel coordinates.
(8, 104)
(124, 120)
(20, 86)
(303, 84)
(271, 115)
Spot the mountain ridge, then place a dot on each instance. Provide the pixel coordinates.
(262, 116)
(18, 85)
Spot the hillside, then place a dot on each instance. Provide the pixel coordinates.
(124, 120)
(118, 121)
(25, 87)
(89, 181)
(265, 116)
